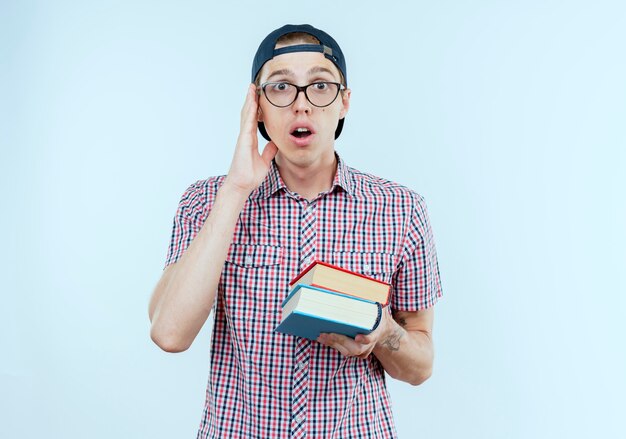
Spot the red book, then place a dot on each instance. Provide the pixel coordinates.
(323, 275)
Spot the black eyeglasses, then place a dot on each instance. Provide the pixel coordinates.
(283, 94)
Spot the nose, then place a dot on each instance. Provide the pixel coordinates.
(301, 104)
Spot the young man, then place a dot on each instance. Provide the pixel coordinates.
(239, 239)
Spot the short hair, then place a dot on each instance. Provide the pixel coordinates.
(292, 39)
(296, 38)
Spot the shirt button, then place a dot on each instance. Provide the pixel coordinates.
(307, 261)
(249, 260)
(299, 418)
(300, 366)
(366, 267)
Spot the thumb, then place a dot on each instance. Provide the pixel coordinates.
(269, 152)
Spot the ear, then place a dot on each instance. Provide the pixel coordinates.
(345, 103)
(259, 111)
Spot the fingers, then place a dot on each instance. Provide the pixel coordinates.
(345, 345)
(363, 339)
(249, 111)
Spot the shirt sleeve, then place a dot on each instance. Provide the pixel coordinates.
(416, 284)
(193, 208)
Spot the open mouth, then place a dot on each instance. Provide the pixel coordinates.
(301, 133)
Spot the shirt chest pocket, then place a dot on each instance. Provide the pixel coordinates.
(250, 256)
(252, 284)
(380, 266)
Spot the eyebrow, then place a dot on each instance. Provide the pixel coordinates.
(318, 69)
(281, 72)
(312, 70)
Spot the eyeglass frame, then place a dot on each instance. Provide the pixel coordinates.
(301, 88)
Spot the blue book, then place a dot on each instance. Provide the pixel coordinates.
(309, 311)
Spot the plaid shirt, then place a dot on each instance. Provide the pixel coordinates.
(270, 385)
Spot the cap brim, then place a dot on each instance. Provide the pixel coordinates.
(263, 132)
(339, 127)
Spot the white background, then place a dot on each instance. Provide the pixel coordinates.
(508, 117)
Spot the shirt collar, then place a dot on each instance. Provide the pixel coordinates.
(343, 177)
(273, 181)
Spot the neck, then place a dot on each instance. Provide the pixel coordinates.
(308, 180)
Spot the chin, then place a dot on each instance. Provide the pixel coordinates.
(300, 156)
(304, 158)
(295, 155)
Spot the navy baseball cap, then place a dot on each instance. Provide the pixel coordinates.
(328, 46)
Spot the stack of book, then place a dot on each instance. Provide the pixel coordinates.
(325, 298)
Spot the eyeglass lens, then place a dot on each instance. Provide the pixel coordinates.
(282, 94)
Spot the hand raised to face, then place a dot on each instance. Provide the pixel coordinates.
(248, 168)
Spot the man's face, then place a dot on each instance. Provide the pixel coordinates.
(282, 124)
